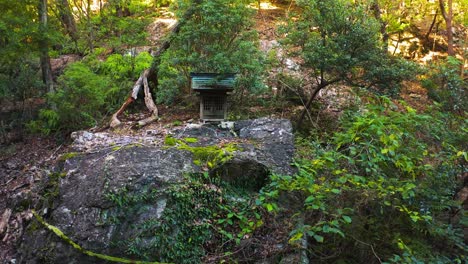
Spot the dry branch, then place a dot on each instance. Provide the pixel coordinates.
(5, 218)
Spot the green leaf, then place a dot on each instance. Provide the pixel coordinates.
(296, 237)
(415, 218)
(318, 238)
(309, 199)
(347, 219)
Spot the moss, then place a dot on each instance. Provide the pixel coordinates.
(190, 140)
(68, 156)
(116, 148)
(177, 123)
(23, 204)
(170, 141)
(33, 226)
(68, 240)
(52, 188)
(209, 156)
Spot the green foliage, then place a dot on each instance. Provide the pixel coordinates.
(118, 25)
(87, 90)
(340, 42)
(384, 164)
(198, 215)
(19, 38)
(118, 32)
(216, 38)
(19, 30)
(20, 80)
(385, 75)
(446, 86)
(126, 66)
(77, 103)
(123, 70)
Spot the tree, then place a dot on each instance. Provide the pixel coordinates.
(448, 17)
(16, 29)
(338, 41)
(44, 46)
(66, 17)
(375, 6)
(215, 38)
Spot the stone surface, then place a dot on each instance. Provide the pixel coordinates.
(82, 200)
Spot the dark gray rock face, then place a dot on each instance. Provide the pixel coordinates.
(91, 184)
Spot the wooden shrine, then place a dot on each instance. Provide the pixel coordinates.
(213, 90)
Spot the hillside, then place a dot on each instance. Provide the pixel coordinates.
(345, 139)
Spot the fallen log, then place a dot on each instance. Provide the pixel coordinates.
(115, 122)
(149, 102)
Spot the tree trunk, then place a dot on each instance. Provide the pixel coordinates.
(67, 20)
(309, 102)
(149, 102)
(89, 26)
(434, 20)
(383, 25)
(448, 16)
(44, 47)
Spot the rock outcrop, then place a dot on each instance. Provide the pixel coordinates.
(86, 194)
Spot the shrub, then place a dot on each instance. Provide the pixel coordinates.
(446, 86)
(381, 187)
(20, 81)
(87, 90)
(78, 102)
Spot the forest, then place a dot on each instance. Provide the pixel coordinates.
(375, 90)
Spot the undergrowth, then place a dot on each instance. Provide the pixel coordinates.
(380, 189)
(200, 216)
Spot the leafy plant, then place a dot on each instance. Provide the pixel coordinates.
(77, 103)
(89, 89)
(199, 214)
(446, 86)
(384, 164)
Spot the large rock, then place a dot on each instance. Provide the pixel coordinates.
(87, 193)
